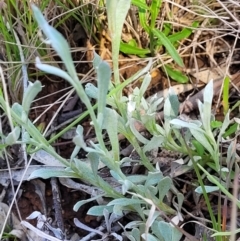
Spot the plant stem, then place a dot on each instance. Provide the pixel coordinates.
(215, 226)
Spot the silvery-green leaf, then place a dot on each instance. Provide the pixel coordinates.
(200, 108)
(142, 190)
(136, 133)
(79, 140)
(100, 119)
(134, 224)
(84, 168)
(231, 156)
(98, 210)
(125, 202)
(75, 152)
(176, 235)
(171, 105)
(155, 142)
(109, 220)
(208, 92)
(180, 198)
(237, 120)
(94, 160)
(126, 185)
(103, 72)
(180, 123)
(83, 202)
(97, 60)
(205, 109)
(45, 173)
(130, 237)
(156, 231)
(146, 81)
(136, 234)
(167, 110)
(206, 117)
(152, 190)
(18, 110)
(166, 231)
(110, 123)
(59, 44)
(84, 172)
(115, 175)
(106, 215)
(224, 169)
(173, 98)
(91, 90)
(208, 189)
(149, 121)
(155, 103)
(145, 105)
(26, 137)
(138, 209)
(164, 186)
(79, 130)
(30, 94)
(117, 11)
(13, 136)
(149, 237)
(96, 147)
(153, 178)
(126, 161)
(34, 215)
(53, 70)
(137, 179)
(118, 209)
(131, 106)
(160, 129)
(45, 158)
(153, 213)
(225, 124)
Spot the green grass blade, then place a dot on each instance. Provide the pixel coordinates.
(143, 19)
(129, 49)
(184, 34)
(140, 4)
(226, 95)
(176, 74)
(168, 45)
(154, 9)
(167, 27)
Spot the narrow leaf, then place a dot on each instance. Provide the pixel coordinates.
(125, 202)
(129, 49)
(56, 39)
(111, 125)
(208, 189)
(13, 136)
(43, 173)
(226, 95)
(176, 74)
(168, 45)
(30, 94)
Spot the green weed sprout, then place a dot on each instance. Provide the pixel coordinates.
(147, 16)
